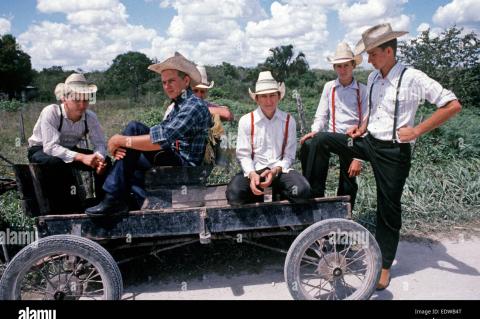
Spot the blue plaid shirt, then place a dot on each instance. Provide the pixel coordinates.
(188, 123)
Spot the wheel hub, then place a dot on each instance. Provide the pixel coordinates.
(332, 266)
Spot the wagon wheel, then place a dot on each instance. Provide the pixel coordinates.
(333, 259)
(62, 267)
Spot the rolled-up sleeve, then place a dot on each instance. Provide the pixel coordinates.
(434, 91)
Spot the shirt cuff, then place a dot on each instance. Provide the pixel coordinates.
(156, 137)
(69, 156)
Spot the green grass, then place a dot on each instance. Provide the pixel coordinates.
(442, 191)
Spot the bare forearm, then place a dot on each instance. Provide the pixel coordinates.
(439, 117)
(223, 112)
(141, 143)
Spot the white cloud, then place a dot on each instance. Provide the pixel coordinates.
(5, 26)
(97, 31)
(459, 12)
(362, 15)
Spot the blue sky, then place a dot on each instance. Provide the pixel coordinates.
(88, 34)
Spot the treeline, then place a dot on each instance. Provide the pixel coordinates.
(452, 58)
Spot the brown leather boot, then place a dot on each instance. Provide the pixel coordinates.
(384, 279)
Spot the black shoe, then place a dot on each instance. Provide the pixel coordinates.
(108, 207)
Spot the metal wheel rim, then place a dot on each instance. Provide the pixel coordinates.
(61, 277)
(333, 272)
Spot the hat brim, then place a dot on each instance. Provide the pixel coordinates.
(191, 71)
(203, 86)
(281, 89)
(63, 89)
(360, 47)
(357, 58)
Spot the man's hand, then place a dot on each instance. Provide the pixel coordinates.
(91, 160)
(307, 137)
(355, 168)
(407, 134)
(254, 182)
(101, 167)
(120, 153)
(268, 174)
(355, 132)
(114, 143)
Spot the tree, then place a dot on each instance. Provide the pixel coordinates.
(450, 58)
(15, 66)
(283, 62)
(129, 71)
(47, 79)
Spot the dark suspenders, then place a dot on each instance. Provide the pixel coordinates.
(395, 115)
(85, 122)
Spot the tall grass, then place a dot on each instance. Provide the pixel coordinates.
(442, 191)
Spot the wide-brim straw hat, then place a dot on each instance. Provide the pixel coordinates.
(266, 84)
(204, 84)
(180, 63)
(75, 83)
(376, 36)
(343, 54)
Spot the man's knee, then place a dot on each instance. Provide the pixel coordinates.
(135, 128)
(301, 187)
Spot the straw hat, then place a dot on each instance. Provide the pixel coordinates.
(204, 84)
(75, 83)
(266, 84)
(344, 54)
(376, 36)
(180, 63)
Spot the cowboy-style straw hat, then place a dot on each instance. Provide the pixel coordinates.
(376, 36)
(343, 54)
(266, 84)
(204, 84)
(180, 63)
(75, 83)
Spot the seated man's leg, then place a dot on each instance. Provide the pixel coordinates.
(118, 182)
(36, 155)
(238, 191)
(340, 144)
(347, 185)
(292, 186)
(313, 173)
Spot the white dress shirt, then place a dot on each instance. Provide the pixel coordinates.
(55, 143)
(416, 86)
(346, 107)
(268, 141)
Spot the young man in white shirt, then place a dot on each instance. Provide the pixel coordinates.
(342, 105)
(395, 92)
(61, 129)
(266, 145)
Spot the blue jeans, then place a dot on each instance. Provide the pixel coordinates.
(128, 174)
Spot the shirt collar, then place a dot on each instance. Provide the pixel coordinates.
(64, 112)
(183, 96)
(392, 75)
(259, 116)
(353, 85)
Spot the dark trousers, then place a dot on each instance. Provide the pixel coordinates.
(128, 174)
(292, 186)
(313, 173)
(61, 177)
(391, 166)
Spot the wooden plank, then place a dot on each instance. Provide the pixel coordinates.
(179, 222)
(163, 176)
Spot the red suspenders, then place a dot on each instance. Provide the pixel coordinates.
(252, 135)
(359, 105)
